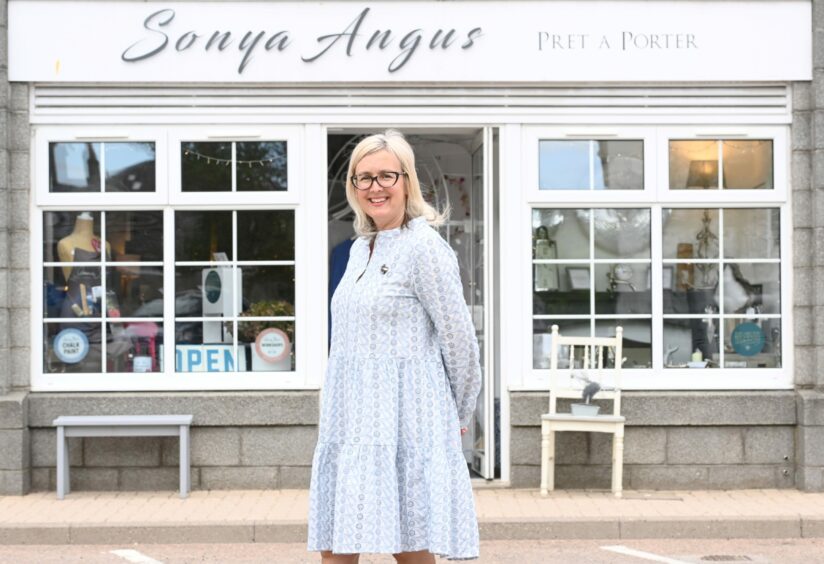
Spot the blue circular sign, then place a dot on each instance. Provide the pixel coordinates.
(213, 287)
(748, 339)
(71, 345)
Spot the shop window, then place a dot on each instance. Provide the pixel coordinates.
(102, 291)
(235, 291)
(731, 164)
(102, 167)
(591, 165)
(591, 273)
(722, 288)
(242, 166)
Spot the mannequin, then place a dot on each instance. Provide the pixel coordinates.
(82, 238)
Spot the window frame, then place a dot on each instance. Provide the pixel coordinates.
(657, 196)
(166, 200)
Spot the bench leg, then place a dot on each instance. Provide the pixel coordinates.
(547, 461)
(62, 463)
(184, 461)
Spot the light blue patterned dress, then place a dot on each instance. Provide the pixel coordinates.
(388, 473)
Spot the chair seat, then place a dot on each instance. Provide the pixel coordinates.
(583, 418)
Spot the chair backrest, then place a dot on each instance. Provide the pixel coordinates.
(590, 362)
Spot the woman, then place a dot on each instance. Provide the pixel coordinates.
(388, 474)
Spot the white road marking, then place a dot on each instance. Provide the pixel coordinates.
(135, 557)
(641, 554)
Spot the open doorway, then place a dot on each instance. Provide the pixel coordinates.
(451, 168)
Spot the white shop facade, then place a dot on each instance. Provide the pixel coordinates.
(615, 163)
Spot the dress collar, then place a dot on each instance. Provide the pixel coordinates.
(397, 231)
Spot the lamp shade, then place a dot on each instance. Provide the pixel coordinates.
(703, 174)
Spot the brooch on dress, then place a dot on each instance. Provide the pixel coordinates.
(384, 269)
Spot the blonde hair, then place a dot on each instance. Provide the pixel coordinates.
(393, 141)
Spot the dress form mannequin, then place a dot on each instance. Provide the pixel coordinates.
(83, 238)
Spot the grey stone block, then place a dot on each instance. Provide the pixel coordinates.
(583, 477)
(811, 445)
(14, 449)
(525, 446)
(14, 410)
(19, 210)
(5, 369)
(42, 480)
(19, 249)
(121, 451)
(210, 446)
(801, 131)
(803, 286)
(805, 366)
(166, 534)
(19, 281)
(817, 170)
(4, 289)
(94, 479)
(20, 361)
(239, 478)
(4, 327)
(803, 208)
(44, 449)
(19, 99)
(812, 527)
(769, 445)
(524, 476)
(276, 446)
(20, 334)
(810, 478)
(742, 476)
(5, 258)
(667, 477)
(14, 482)
(210, 409)
(556, 529)
(294, 477)
(20, 171)
(818, 43)
(154, 479)
(710, 528)
(802, 96)
(19, 131)
(280, 532)
(644, 446)
(810, 407)
(705, 445)
(802, 245)
(818, 246)
(34, 534)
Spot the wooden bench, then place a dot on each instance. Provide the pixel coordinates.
(120, 426)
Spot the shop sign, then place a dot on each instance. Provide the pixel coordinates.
(272, 345)
(71, 345)
(207, 358)
(353, 42)
(748, 339)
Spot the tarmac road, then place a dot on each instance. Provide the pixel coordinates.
(778, 551)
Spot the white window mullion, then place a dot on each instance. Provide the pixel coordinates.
(169, 294)
(656, 287)
(721, 326)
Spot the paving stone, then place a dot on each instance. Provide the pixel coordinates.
(524, 530)
(238, 478)
(276, 446)
(175, 534)
(812, 527)
(121, 451)
(709, 528)
(35, 535)
(667, 477)
(294, 477)
(281, 532)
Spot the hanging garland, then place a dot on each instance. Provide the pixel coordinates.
(226, 162)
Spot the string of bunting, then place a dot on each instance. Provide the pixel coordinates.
(226, 162)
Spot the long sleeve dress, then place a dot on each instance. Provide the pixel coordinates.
(388, 473)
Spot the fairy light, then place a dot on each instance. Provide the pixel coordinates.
(226, 162)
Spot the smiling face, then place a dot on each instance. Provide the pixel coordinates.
(386, 206)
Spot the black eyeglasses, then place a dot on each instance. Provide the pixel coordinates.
(385, 179)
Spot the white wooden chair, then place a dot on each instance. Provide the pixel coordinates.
(562, 385)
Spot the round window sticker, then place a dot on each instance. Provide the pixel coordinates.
(747, 339)
(71, 345)
(272, 345)
(213, 287)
